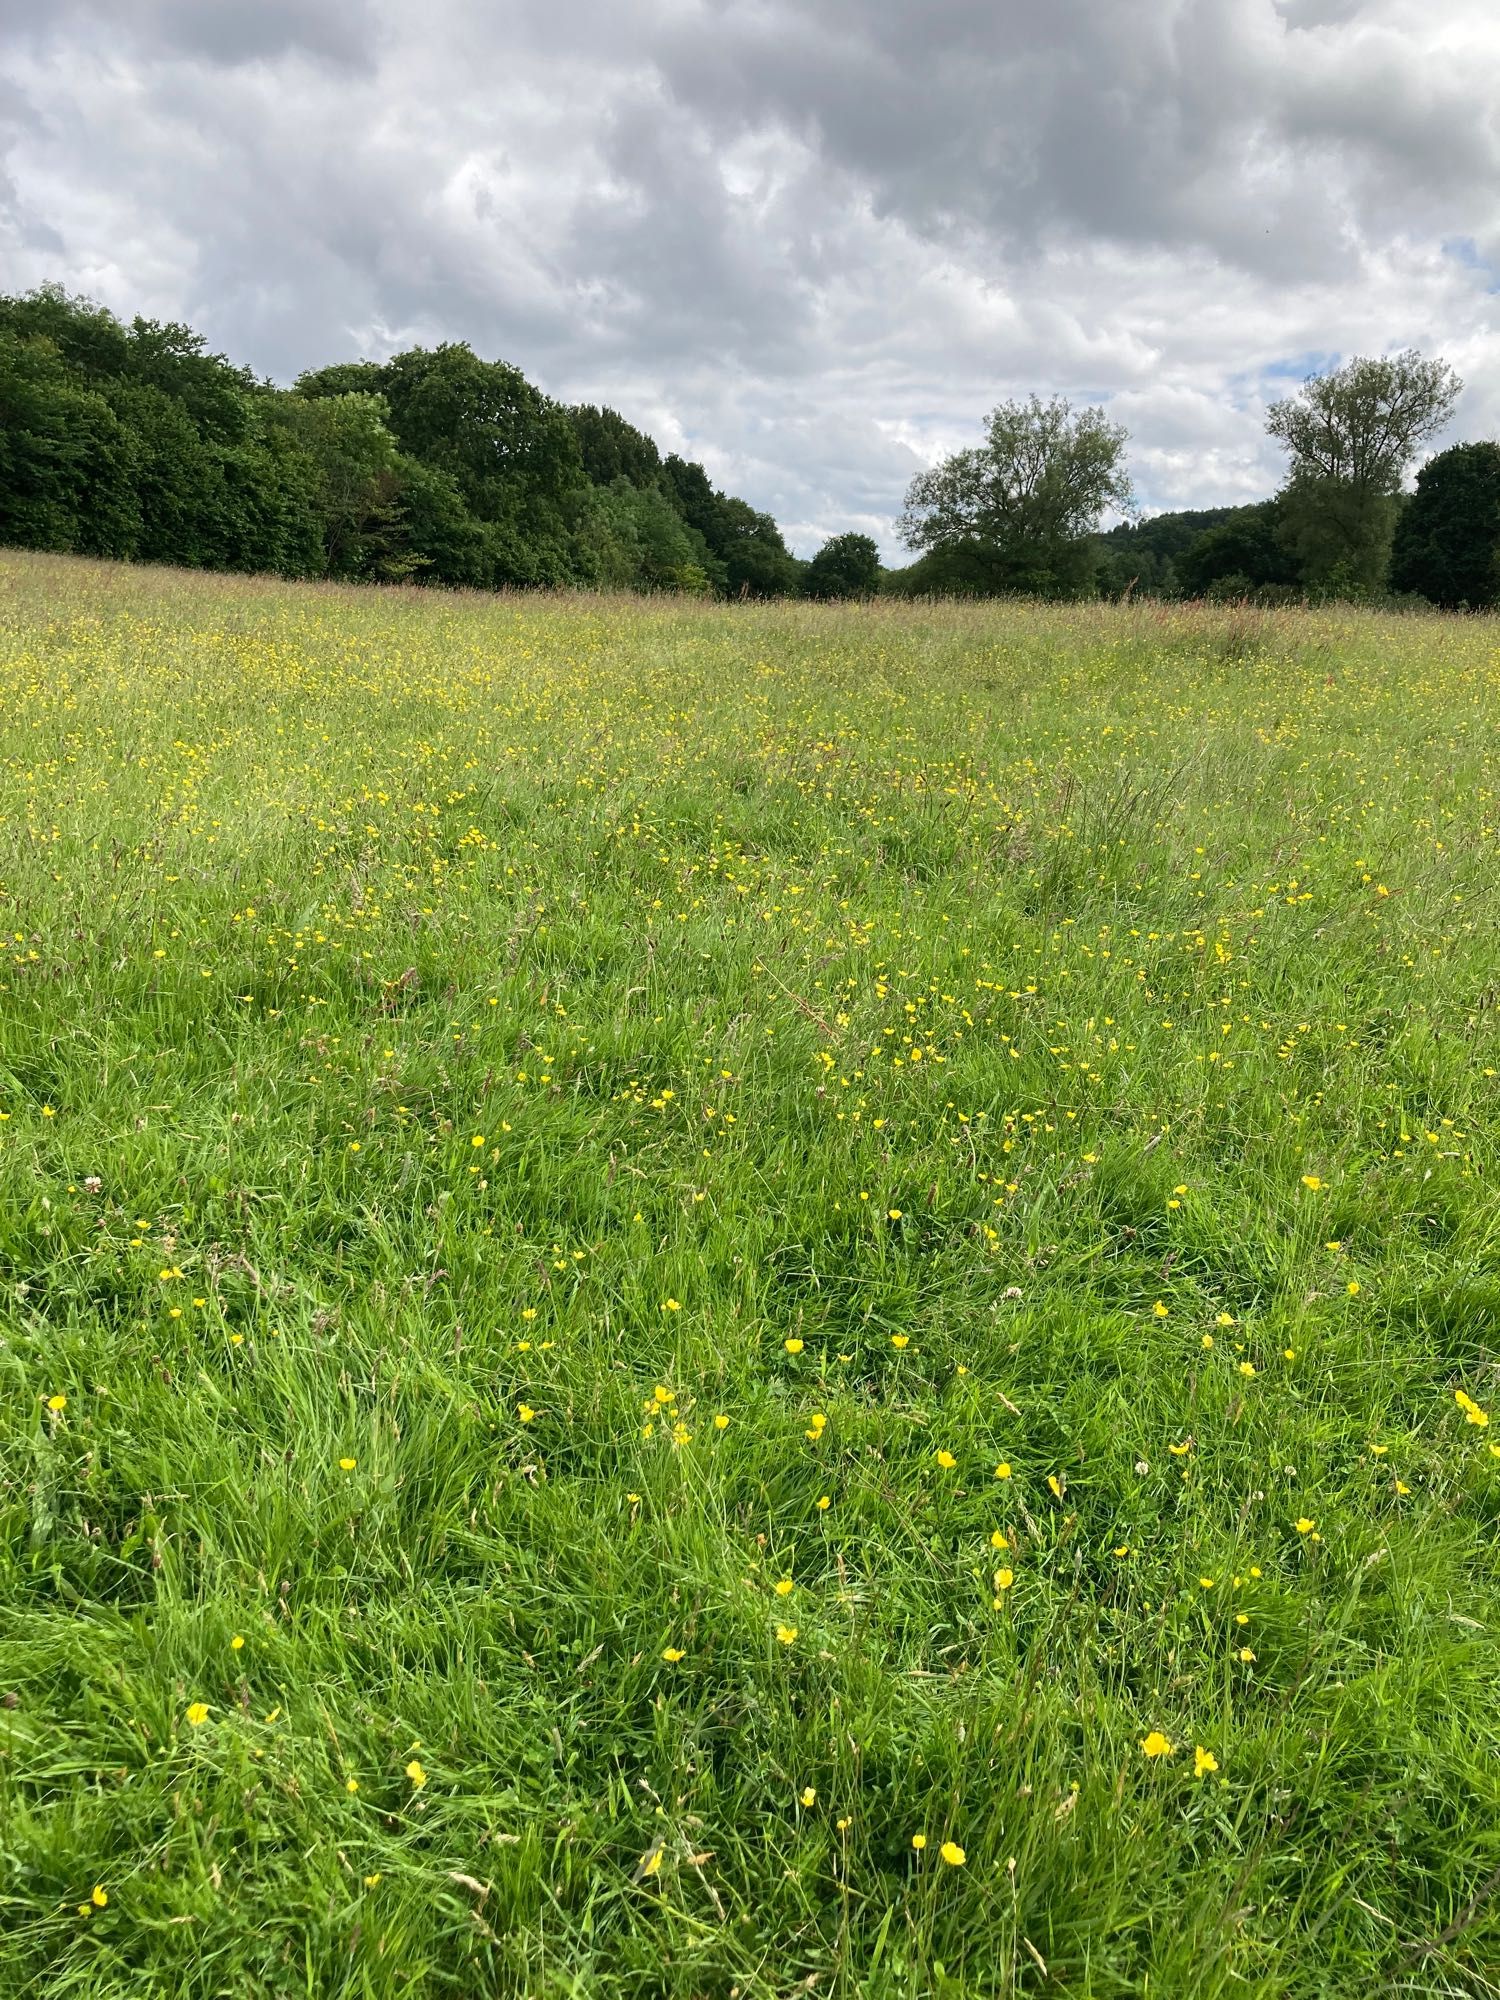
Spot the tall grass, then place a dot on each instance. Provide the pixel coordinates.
(706, 1300)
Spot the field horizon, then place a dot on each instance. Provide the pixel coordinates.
(734, 1299)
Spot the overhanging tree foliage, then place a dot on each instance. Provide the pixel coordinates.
(1017, 511)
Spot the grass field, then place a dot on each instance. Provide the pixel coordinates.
(715, 1301)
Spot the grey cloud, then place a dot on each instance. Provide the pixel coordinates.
(808, 244)
(1317, 13)
(228, 31)
(1140, 120)
(219, 32)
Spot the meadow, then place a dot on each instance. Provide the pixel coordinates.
(711, 1300)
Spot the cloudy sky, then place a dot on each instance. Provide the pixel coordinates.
(807, 241)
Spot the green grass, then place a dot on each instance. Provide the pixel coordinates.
(1075, 1028)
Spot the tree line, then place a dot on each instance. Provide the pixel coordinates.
(136, 441)
(438, 466)
(1021, 510)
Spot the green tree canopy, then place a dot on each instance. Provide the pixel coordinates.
(756, 560)
(89, 340)
(613, 449)
(1447, 543)
(1140, 556)
(1350, 435)
(66, 462)
(359, 481)
(693, 495)
(1245, 550)
(745, 545)
(509, 449)
(646, 543)
(1027, 499)
(845, 566)
(436, 465)
(217, 396)
(340, 378)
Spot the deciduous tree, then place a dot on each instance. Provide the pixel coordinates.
(1027, 499)
(1350, 436)
(845, 566)
(1447, 543)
